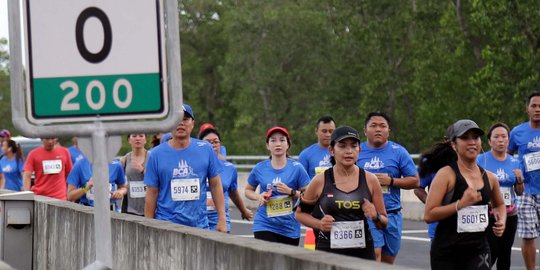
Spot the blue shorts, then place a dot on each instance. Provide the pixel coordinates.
(389, 239)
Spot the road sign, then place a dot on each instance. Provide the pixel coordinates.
(95, 60)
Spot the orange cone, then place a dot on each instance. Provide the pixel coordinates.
(309, 240)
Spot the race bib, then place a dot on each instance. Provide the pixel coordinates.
(507, 195)
(279, 206)
(347, 234)
(210, 202)
(137, 189)
(185, 189)
(52, 166)
(320, 169)
(90, 195)
(532, 161)
(472, 219)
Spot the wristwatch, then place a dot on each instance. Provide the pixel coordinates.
(377, 218)
(293, 192)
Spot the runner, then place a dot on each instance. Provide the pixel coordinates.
(11, 165)
(81, 183)
(202, 128)
(74, 151)
(395, 170)
(345, 196)
(228, 180)
(280, 181)
(458, 199)
(51, 165)
(525, 140)
(431, 161)
(176, 175)
(316, 158)
(133, 164)
(508, 172)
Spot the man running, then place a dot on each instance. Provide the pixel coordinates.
(51, 165)
(176, 175)
(395, 169)
(525, 139)
(316, 158)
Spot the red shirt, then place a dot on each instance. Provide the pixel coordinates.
(51, 169)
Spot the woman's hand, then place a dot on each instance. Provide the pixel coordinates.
(470, 197)
(326, 223)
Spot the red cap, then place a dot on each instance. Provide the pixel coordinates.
(276, 129)
(205, 126)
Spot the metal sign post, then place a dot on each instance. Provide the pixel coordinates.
(89, 74)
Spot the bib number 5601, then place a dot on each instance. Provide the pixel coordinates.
(69, 105)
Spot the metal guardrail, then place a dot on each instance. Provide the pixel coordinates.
(248, 162)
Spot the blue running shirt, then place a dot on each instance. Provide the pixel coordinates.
(82, 172)
(315, 159)
(264, 175)
(391, 159)
(229, 181)
(180, 176)
(526, 141)
(12, 169)
(504, 171)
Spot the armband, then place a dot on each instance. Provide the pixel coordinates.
(85, 189)
(306, 208)
(391, 181)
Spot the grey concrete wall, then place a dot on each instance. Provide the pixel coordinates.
(413, 208)
(64, 239)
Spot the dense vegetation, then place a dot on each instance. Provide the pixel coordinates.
(248, 65)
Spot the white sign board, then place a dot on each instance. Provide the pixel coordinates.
(91, 60)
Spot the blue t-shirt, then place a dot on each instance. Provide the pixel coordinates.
(315, 159)
(229, 181)
(426, 182)
(294, 176)
(182, 174)
(525, 140)
(392, 159)
(75, 154)
(503, 170)
(82, 172)
(12, 169)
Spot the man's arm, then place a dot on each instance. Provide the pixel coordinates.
(151, 201)
(27, 180)
(219, 201)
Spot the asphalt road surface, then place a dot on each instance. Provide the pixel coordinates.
(415, 243)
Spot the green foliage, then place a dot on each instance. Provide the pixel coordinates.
(250, 65)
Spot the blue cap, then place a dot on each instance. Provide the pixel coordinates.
(187, 109)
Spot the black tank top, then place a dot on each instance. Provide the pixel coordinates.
(343, 206)
(447, 239)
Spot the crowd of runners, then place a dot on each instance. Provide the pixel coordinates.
(346, 186)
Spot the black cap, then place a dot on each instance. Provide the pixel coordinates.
(462, 126)
(344, 132)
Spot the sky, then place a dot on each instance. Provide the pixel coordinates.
(4, 31)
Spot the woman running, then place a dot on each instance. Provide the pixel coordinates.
(346, 196)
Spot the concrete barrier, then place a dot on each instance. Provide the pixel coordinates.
(64, 239)
(413, 208)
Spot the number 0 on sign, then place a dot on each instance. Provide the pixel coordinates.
(90, 60)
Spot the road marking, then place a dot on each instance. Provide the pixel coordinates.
(414, 231)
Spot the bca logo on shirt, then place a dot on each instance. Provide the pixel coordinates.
(534, 144)
(276, 180)
(325, 161)
(374, 164)
(183, 170)
(501, 175)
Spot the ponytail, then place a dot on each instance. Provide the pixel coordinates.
(18, 153)
(437, 156)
